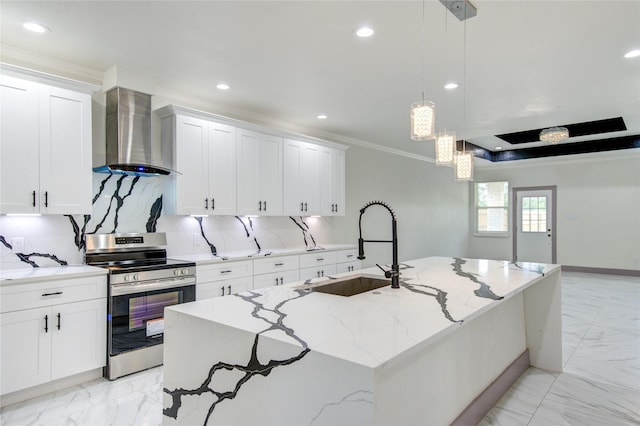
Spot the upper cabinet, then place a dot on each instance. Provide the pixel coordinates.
(45, 149)
(332, 182)
(205, 159)
(259, 173)
(301, 178)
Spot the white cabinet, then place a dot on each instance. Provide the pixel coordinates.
(317, 264)
(48, 331)
(45, 152)
(223, 279)
(317, 272)
(332, 182)
(205, 157)
(301, 178)
(347, 261)
(259, 174)
(271, 271)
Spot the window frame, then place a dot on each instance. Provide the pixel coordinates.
(477, 208)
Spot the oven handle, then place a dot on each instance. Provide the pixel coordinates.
(142, 287)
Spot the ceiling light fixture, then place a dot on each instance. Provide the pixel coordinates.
(464, 159)
(35, 27)
(423, 113)
(632, 54)
(451, 86)
(222, 86)
(322, 117)
(445, 141)
(364, 32)
(553, 135)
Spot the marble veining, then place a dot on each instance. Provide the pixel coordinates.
(358, 396)
(247, 224)
(212, 248)
(306, 232)
(26, 257)
(484, 290)
(254, 366)
(439, 295)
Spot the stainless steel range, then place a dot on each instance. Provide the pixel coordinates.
(142, 282)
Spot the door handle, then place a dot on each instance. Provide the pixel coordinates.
(213, 203)
(58, 320)
(206, 203)
(305, 207)
(222, 291)
(259, 206)
(33, 202)
(229, 290)
(280, 280)
(46, 198)
(265, 206)
(301, 207)
(46, 323)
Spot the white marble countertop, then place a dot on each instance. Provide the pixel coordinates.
(207, 258)
(437, 294)
(27, 275)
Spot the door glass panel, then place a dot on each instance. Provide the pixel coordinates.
(534, 214)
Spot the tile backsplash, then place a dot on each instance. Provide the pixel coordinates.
(134, 204)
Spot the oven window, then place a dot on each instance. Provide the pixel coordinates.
(148, 307)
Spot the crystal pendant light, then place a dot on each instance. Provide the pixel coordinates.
(423, 114)
(553, 135)
(464, 166)
(445, 148)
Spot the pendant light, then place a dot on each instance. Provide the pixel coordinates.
(446, 141)
(464, 159)
(423, 113)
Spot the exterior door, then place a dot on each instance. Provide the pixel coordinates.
(534, 224)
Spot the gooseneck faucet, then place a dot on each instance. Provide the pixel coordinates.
(394, 273)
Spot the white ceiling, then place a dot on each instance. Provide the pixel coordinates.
(525, 64)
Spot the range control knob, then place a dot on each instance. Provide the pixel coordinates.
(135, 277)
(184, 272)
(176, 272)
(126, 278)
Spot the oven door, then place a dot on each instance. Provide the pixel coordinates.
(136, 311)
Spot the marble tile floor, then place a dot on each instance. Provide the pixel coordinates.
(600, 384)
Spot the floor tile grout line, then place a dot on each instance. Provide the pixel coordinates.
(543, 398)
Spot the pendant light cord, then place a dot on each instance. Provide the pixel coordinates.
(464, 78)
(446, 32)
(423, 48)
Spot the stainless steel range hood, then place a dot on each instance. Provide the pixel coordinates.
(128, 135)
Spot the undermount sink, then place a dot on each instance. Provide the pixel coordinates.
(348, 286)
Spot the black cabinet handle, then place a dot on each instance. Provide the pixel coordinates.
(349, 255)
(336, 208)
(58, 320)
(320, 259)
(276, 281)
(226, 271)
(206, 203)
(265, 206)
(229, 289)
(318, 273)
(51, 294)
(279, 264)
(260, 206)
(46, 323)
(33, 202)
(46, 198)
(301, 207)
(213, 203)
(222, 291)
(305, 207)
(281, 281)
(322, 273)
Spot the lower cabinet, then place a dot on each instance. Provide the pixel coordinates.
(348, 267)
(221, 288)
(317, 272)
(223, 279)
(48, 343)
(275, 278)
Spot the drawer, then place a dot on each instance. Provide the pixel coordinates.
(47, 293)
(275, 278)
(223, 287)
(318, 258)
(274, 264)
(224, 271)
(317, 272)
(346, 255)
(348, 266)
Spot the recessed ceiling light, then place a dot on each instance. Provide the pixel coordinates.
(498, 148)
(322, 117)
(364, 32)
(222, 86)
(451, 86)
(35, 27)
(632, 53)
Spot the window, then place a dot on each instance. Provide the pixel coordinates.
(534, 214)
(492, 208)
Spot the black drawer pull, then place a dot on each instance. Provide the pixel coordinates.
(279, 264)
(51, 294)
(46, 323)
(206, 203)
(46, 198)
(265, 206)
(281, 280)
(349, 255)
(34, 198)
(226, 271)
(229, 289)
(222, 291)
(260, 206)
(320, 259)
(58, 320)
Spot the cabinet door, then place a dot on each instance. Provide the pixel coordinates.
(301, 178)
(65, 151)
(192, 161)
(208, 290)
(348, 266)
(79, 337)
(25, 349)
(332, 182)
(19, 147)
(222, 169)
(270, 175)
(275, 278)
(317, 272)
(247, 173)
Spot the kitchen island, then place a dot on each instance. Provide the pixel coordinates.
(420, 354)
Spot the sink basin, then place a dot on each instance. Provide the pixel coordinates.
(349, 286)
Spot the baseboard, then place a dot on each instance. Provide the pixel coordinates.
(475, 412)
(45, 388)
(608, 271)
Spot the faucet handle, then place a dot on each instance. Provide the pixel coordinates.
(387, 273)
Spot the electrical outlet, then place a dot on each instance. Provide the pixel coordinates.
(17, 245)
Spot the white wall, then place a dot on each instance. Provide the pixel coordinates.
(598, 209)
(431, 208)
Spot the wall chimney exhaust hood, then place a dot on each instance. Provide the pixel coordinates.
(128, 135)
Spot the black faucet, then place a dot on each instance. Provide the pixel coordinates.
(394, 273)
